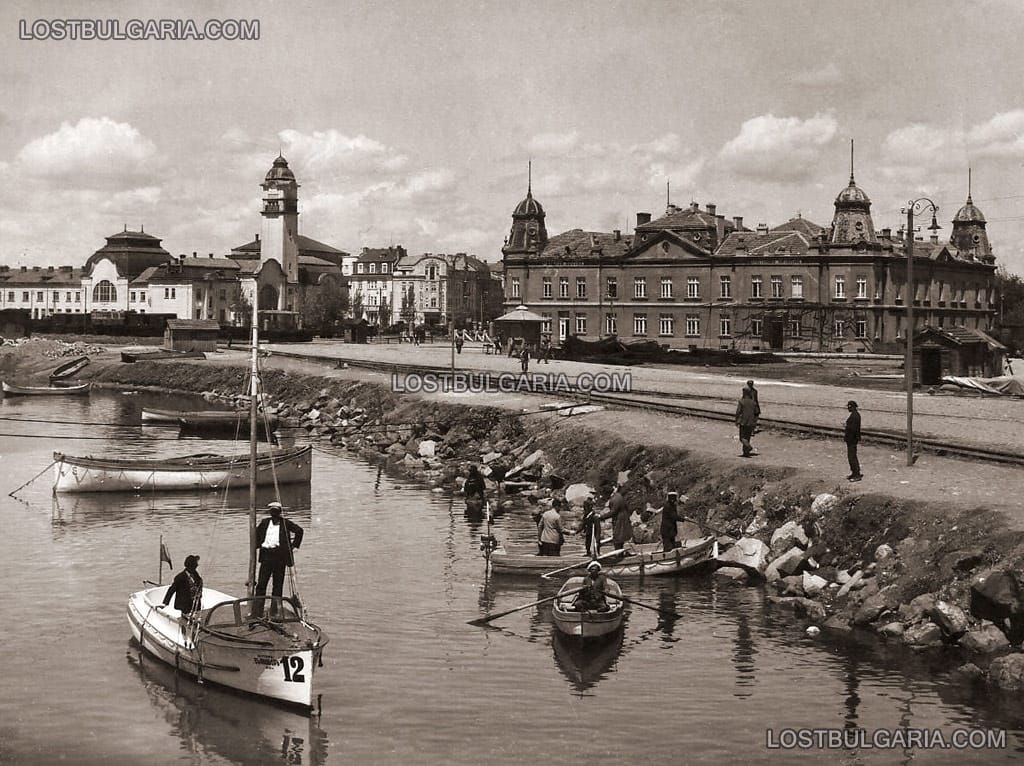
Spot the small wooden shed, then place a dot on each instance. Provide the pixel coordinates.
(520, 325)
(957, 351)
(191, 335)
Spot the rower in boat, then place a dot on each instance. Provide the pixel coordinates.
(595, 586)
(475, 490)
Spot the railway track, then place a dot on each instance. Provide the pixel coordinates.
(657, 401)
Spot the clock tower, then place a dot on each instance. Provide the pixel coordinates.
(279, 230)
(529, 235)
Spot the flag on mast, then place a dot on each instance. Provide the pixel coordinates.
(165, 556)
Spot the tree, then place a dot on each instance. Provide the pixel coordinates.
(384, 313)
(356, 305)
(408, 309)
(242, 309)
(324, 307)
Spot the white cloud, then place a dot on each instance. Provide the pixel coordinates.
(771, 148)
(1001, 136)
(323, 152)
(553, 144)
(91, 153)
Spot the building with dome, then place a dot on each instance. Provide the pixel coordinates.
(694, 278)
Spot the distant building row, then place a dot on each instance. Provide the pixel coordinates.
(695, 278)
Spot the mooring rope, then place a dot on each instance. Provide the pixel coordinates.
(51, 465)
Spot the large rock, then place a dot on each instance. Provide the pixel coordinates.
(575, 494)
(786, 564)
(785, 537)
(748, 551)
(532, 458)
(428, 448)
(874, 606)
(812, 584)
(883, 551)
(852, 583)
(839, 623)
(1008, 672)
(490, 457)
(1000, 598)
(950, 618)
(793, 585)
(731, 575)
(824, 503)
(891, 630)
(804, 607)
(923, 635)
(984, 640)
(918, 608)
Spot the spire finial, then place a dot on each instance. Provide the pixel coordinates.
(851, 162)
(969, 186)
(529, 178)
(668, 192)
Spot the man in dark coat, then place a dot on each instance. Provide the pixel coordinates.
(186, 589)
(276, 538)
(851, 435)
(590, 528)
(669, 522)
(622, 527)
(475, 490)
(746, 420)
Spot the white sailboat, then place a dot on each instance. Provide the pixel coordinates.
(221, 641)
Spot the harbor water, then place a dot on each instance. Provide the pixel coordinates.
(393, 573)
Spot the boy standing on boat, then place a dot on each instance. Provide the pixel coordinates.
(186, 589)
(276, 538)
(550, 534)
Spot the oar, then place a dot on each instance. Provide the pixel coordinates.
(580, 565)
(645, 606)
(488, 618)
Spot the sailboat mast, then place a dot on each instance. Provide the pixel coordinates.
(253, 394)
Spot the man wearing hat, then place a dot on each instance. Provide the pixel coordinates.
(595, 585)
(851, 435)
(186, 589)
(618, 512)
(276, 538)
(669, 520)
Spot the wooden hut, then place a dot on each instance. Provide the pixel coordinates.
(520, 326)
(191, 335)
(957, 351)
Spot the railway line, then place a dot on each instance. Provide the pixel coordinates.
(668, 403)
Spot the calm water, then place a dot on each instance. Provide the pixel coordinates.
(393, 573)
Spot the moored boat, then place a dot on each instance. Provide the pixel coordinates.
(587, 623)
(159, 353)
(68, 369)
(153, 415)
(640, 560)
(11, 389)
(204, 471)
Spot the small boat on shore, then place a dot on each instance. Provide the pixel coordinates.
(587, 623)
(159, 353)
(204, 471)
(640, 560)
(11, 389)
(68, 370)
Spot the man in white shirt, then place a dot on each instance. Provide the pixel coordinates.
(276, 538)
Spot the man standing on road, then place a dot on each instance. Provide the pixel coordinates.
(746, 420)
(753, 394)
(851, 435)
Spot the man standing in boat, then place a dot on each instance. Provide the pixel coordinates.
(276, 538)
(186, 589)
(670, 522)
(622, 527)
(550, 534)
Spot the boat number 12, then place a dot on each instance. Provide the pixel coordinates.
(293, 669)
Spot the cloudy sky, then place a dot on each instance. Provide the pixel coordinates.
(411, 122)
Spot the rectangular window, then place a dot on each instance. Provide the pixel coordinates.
(67, 297)
(666, 325)
(839, 329)
(840, 287)
(563, 287)
(373, 268)
(693, 287)
(514, 287)
(173, 290)
(666, 287)
(223, 293)
(10, 295)
(131, 296)
(725, 326)
(862, 287)
(56, 296)
(545, 284)
(756, 286)
(360, 267)
(611, 324)
(796, 287)
(862, 328)
(725, 286)
(756, 327)
(794, 328)
(692, 325)
(383, 268)
(777, 286)
(142, 296)
(581, 325)
(639, 324)
(581, 287)
(24, 296)
(640, 287)
(545, 326)
(431, 272)
(39, 296)
(612, 287)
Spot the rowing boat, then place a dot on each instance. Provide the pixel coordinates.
(221, 423)
(205, 471)
(589, 623)
(68, 369)
(159, 353)
(153, 415)
(639, 561)
(10, 389)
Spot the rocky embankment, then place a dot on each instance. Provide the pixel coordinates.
(928, 578)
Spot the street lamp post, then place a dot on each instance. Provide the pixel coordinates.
(920, 204)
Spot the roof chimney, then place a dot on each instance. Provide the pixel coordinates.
(694, 207)
(257, 236)
(737, 221)
(762, 230)
(211, 255)
(195, 254)
(886, 233)
(711, 208)
(643, 218)
(617, 233)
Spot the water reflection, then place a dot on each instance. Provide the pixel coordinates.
(211, 720)
(585, 663)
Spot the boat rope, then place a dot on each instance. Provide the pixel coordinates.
(51, 465)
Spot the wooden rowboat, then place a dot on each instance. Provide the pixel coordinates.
(587, 623)
(206, 471)
(11, 389)
(220, 423)
(152, 415)
(68, 369)
(641, 560)
(159, 353)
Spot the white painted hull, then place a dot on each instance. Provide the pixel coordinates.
(588, 624)
(646, 560)
(256, 661)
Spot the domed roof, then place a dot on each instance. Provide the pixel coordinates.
(280, 171)
(529, 206)
(852, 194)
(969, 213)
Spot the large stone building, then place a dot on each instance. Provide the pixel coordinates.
(435, 289)
(694, 278)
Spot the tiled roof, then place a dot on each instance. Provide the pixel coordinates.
(577, 243)
(38, 276)
(306, 245)
(772, 243)
(802, 225)
(685, 218)
(378, 254)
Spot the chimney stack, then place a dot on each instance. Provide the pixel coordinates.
(694, 207)
(887, 233)
(762, 230)
(711, 208)
(643, 218)
(617, 233)
(737, 221)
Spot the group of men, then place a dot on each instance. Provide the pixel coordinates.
(748, 410)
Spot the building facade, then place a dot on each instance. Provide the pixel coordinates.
(435, 289)
(694, 278)
(42, 291)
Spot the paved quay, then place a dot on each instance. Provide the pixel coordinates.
(820, 463)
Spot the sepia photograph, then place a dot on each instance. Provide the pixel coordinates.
(479, 382)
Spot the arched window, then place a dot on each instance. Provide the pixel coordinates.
(104, 292)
